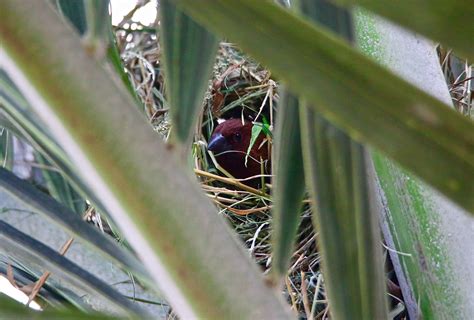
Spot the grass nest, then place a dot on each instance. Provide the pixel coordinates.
(242, 88)
(239, 87)
(459, 76)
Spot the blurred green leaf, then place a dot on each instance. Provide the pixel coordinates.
(348, 229)
(415, 234)
(189, 51)
(289, 182)
(33, 252)
(98, 21)
(75, 13)
(6, 148)
(72, 222)
(59, 188)
(414, 218)
(449, 22)
(347, 224)
(10, 309)
(18, 116)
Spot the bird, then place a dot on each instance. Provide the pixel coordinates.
(230, 143)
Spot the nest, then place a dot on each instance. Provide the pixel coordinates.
(239, 88)
(459, 75)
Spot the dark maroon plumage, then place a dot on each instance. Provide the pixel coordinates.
(229, 143)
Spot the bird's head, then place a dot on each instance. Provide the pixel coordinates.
(230, 144)
(231, 136)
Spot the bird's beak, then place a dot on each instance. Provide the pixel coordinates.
(218, 143)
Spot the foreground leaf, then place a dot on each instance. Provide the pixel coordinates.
(21, 246)
(335, 167)
(348, 229)
(189, 51)
(11, 309)
(41, 203)
(289, 183)
(75, 12)
(449, 22)
(6, 148)
(59, 188)
(17, 115)
(426, 232)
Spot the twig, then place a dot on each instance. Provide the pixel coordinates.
(41, 281)
(230, 181)
(248, 211)
(304, 292)
(291, 294)
(316, 293)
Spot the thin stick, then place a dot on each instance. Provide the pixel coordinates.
(304, 292)
(231, 182)
(248, 211)
(41, 281)
(291, 294)
(316, 293)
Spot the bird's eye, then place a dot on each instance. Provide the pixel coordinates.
(237, 137)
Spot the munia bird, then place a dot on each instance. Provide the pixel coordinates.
(230, 142)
